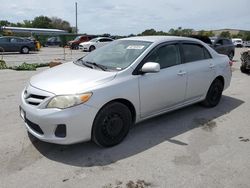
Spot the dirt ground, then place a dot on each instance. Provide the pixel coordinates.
(191, 147)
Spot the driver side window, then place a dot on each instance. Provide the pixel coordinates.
(166, 56)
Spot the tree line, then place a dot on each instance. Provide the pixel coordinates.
(245, 35)
(58, 23)
(42, 22)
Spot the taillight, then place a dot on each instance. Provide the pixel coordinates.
(230, 63)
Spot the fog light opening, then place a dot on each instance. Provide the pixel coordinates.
(60, 131)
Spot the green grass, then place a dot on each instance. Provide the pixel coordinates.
(23, 67)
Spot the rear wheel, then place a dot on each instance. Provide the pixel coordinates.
(25, 50)
(214, 94)
(111, 124)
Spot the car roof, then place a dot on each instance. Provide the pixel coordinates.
(102, 38)
(156, 39)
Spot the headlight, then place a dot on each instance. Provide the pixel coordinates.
(66, 101)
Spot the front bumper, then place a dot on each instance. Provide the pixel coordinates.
(78, 121)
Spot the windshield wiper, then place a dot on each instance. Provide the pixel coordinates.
(102, 67)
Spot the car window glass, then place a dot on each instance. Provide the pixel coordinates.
(219, 42)
(226, 41)
(4, 39)
(118, 54)
(207, 55)
(194, 52)
(166, 56)
(15, 40)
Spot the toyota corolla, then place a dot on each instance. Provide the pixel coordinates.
(100, 96)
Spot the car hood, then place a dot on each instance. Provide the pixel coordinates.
(72, 41)
(70, 78)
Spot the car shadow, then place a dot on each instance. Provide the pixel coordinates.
(17, 53)
(142, 136)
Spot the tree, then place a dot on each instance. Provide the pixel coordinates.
(225, 34)
(42, 22)
(149, 32)
(59, 23)
(4, 23)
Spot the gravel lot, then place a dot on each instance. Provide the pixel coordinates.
(192, 147)
(45, 55)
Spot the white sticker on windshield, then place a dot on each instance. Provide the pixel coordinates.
(135, 47)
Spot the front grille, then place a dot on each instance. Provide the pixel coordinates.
(33, 99)
(34, 126)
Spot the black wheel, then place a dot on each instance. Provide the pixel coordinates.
(243, 69)
(91, 48)
(25, 50)
(74, 46)
(231, 55)
(214, 94)
(111, 124)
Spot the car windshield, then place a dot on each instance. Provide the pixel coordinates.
(77, 38)
(116, 55)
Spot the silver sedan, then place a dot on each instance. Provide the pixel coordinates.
(100, 96)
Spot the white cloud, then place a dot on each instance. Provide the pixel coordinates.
(134, 16)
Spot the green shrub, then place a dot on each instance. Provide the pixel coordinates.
(24, 66)
(3, 64)
(28, 67)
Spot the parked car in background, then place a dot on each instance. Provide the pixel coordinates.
(220, 45)
(74, 44)
(94, 43)
(17, 44)
(237, 42)
(224, 46)
(100, 96)
(54, 41)
(246, 43)
(245, 61)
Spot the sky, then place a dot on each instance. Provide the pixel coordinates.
(124, 17)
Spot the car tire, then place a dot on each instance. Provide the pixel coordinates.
(231, 55)
(91, 48)
(25, 50)
(214, 94)
(243, 69)
(111, 125)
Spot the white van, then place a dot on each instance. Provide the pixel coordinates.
(237, 42)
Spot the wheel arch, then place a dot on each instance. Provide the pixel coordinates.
(221, 78)
(127, 103)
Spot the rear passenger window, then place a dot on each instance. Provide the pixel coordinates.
(166, 56)
(195, 52)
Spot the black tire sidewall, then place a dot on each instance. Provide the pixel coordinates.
(208, 101)
(97, 134)
(91, 48)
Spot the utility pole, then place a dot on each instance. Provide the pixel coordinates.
(76, 16)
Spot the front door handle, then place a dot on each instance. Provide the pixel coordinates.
(181, 73)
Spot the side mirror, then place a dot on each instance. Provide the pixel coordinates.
(150, 67)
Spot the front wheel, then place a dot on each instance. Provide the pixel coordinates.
(92, 48)
(111, 124)
(214, 94)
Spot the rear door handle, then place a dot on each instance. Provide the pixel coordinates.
(211, 66)
(181, 73)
